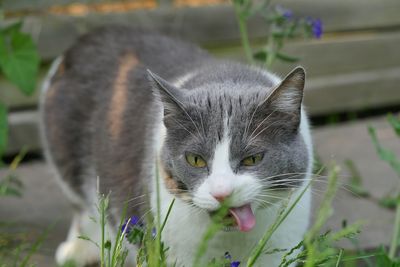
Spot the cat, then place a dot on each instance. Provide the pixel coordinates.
(123, 103)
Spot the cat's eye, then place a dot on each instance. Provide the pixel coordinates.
(252, 160)
(195, 160)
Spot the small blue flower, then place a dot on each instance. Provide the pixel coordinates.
(153, 232)
(229, 258)
(130, 223)
(316, 27)
(285, 12)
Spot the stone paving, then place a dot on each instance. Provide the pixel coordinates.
(43, 203)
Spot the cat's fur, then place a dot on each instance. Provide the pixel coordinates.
(106, 118)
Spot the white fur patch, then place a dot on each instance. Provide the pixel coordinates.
(288, 100)
(183, 79)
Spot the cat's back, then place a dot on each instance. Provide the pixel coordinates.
(97, 106)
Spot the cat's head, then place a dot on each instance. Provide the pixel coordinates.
(233, 135)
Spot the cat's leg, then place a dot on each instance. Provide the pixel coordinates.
(81, 252)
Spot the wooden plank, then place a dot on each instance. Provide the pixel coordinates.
(333, 55)
(23, 132)
(14, 5)
(353, 91)
(57, 32)
(338, 15)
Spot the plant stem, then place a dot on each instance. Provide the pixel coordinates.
(243, 33)
(158, 234)
(396, 232)
(102, 225)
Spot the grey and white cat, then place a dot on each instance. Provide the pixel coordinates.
(216, 129)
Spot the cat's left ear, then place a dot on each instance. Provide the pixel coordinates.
(288, 95)
(170, 96)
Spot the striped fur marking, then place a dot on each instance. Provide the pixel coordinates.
(119, 95)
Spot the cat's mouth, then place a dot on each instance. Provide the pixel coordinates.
(239, 218)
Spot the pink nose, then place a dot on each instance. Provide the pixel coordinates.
(221, 196)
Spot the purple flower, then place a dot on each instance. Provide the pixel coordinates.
(285, 12)
(229, 258)
(130, 223)
(316, 27)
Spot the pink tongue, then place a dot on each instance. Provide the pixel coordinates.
(244, 217)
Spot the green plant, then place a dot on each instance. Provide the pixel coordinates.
(281, 25)
(391, 158)
(19, 62)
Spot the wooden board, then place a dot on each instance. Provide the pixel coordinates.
(333, 55)
(338, 15)
(210, 24)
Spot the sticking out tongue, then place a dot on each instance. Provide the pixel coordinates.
(244, 217)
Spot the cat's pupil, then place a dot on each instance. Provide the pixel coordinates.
(253, 159)
(195, 160)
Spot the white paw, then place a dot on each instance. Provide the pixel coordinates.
(80, 252)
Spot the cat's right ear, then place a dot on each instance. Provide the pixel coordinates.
(170, 96)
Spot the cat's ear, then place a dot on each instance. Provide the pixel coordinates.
(170, 96)
(288, 95)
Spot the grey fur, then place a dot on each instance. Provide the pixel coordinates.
(77, 131)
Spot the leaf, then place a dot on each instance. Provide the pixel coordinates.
(385, 154)
(19, 59)
(395, 122)
(260, 55)
(388, 202)
(3, 129)
(355, 180)
(287, 58)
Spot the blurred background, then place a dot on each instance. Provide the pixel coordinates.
(353, 80)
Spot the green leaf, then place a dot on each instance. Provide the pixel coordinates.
(260, 55)
(19, 59)
(3, 129)
(107, 245)
(395, 122)
(388, 202)
(356, 185)
(385, 154)
(287, 58)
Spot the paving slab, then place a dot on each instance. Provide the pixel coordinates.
(351, 141)
(43, 203)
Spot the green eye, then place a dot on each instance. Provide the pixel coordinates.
(252, 160)
(195, 160)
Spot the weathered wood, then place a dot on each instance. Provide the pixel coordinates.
(339, 15)
(14, 5)
(211, 24)
(353, 91)
(23, 132)
(333, 55)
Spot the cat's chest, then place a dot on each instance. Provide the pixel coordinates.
(186, 228)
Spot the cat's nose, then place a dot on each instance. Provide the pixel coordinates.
(221, 196)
